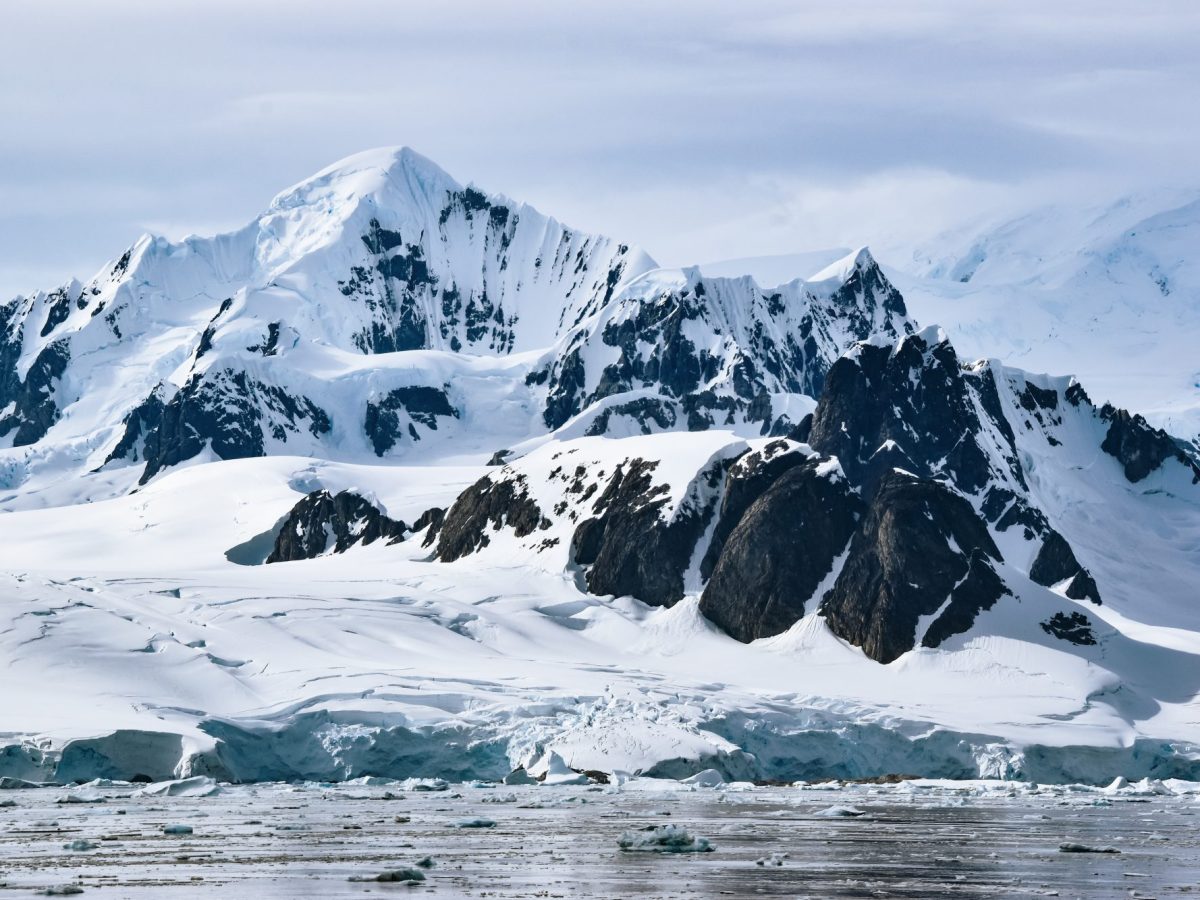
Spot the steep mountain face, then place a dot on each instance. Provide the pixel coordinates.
(696, 352)
(781, 546)
(921, 553)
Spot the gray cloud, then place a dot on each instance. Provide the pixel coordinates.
(698, 130)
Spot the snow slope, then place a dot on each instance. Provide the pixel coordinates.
(1109, 294)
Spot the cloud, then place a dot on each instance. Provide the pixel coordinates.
(713, 129)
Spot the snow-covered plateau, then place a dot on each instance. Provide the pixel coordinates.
(408, 480)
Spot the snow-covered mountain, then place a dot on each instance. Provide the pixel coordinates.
(380, 307)
(408, 478)
(1110, 294)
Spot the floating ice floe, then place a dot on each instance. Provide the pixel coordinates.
(555, 771)
(664, 839)
(475, 822)
(79, 845)
(842, 812)
(177, 829)
(519, 776)
(82, 797)
(8, 783)
(500, 798)
(709, 778)
(424, 784)
(198, 786)
(406, 875)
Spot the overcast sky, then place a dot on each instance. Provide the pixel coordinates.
(700, 130)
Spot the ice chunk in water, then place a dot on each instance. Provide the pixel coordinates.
(709, 778)
(406, 876)
(199, 786)
(475, 822)
(664, 839)
(842, 812)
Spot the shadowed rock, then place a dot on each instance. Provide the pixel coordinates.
(913, 553)
(1139, 447)
(631, 549)
(1056, 563)
(782, 547)
(486, 506)
(332, 523)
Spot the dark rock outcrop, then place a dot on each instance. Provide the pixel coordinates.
(1056, 562)
(226, 411)
(629, 546)
(138, 424)
(420, 404)
(1139, 447)
(643, 410)
(977, 592)
(1075, 628)
(430, 522)
(763, 342)
(33, 405)
(919, 546)
(332, 523)
(486, 506)
(908, 406)
(783, 545)
(748, 479)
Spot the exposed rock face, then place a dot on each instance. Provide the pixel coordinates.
(224, 410)
(332, 523)
(1056, 562)
(1075, 628)
(976, 593)
(645, 414)
(781, 548)
(748, 479)
(33, 408)
(487, 506)
(430, 522)
(630, 547)
(716, 349)
(920, 546)
(1140, 448)
(911, 406)
(395, 415)
(141, 422)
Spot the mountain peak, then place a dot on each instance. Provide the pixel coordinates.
(386, 174)
(840, 271)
